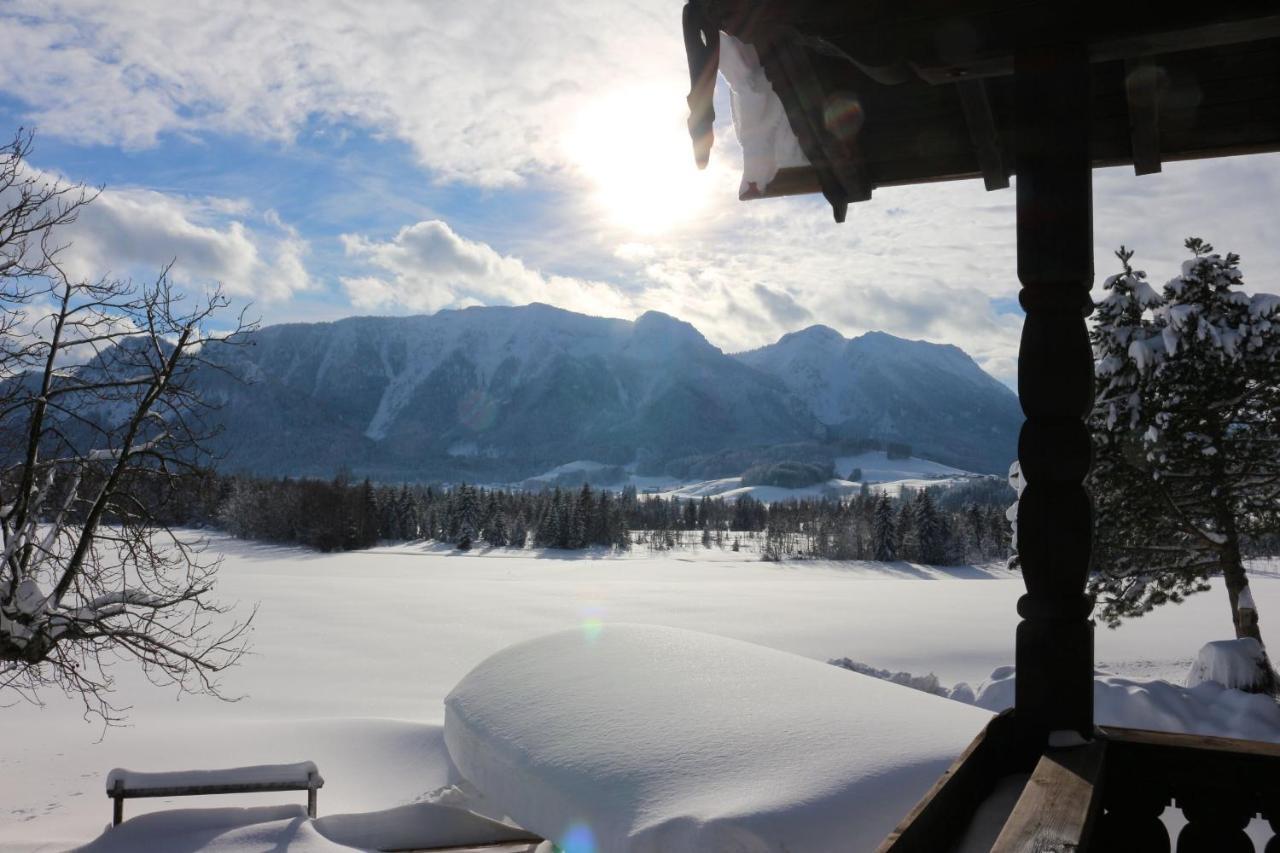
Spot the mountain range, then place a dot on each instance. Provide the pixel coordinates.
(502, 393)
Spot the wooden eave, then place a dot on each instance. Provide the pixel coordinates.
(935, 85)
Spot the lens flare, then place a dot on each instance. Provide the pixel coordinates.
(842, 114)
(592, 622)
(579, 839)
(477, 410)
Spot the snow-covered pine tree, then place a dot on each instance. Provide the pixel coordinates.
(906, 545)
(929, 536)
(495, 532)
(1188, 456)
(467, 511)
(584, 510)
(690, 516)
(1128, 583)
(974, 524)
(406, 515)
(884, 537)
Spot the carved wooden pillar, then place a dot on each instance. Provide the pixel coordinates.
(1055, 388)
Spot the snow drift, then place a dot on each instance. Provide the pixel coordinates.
(645, 738)
(1206, 708)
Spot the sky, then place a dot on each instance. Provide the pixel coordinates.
(331, 158)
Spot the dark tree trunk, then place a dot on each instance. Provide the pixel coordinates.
(1246, 620)
(1237, 582)
(1232, 567)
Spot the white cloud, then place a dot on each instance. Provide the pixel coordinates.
(134, 232)
(483, 90)
(427, 266)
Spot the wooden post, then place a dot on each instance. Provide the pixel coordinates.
(1055, 384)
(311, 795)
(117, 806)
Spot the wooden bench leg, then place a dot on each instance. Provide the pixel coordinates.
(117, 807)
(311, 795)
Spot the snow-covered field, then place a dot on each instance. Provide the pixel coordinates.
(354, 654)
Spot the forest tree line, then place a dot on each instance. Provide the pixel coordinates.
(937, 525)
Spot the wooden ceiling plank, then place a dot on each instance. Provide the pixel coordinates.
(997, 61)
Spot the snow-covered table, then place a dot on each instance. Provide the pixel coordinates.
(644, 738)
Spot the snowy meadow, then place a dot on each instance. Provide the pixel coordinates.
(354, 653)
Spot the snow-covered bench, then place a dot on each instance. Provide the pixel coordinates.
(126, 784)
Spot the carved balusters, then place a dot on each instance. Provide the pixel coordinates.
(1132, 820)
(1271, 812)
(1215, 822)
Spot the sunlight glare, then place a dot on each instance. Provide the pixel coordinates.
(634, 148)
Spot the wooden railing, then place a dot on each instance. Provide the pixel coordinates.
(1106, 794)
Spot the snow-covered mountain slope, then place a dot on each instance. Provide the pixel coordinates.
(498, 394)
(931, 396)
(486, 390)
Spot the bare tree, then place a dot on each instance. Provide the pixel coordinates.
(100, 425)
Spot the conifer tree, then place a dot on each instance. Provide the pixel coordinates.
(907, 545)
(884, 536)
(495, 533)
(690, 515)
(519, 532)
(1188, 437)
(927, 530)
(467, 512)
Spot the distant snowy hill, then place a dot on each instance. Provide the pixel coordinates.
(931, 396)
(875, 469)
(504, 393)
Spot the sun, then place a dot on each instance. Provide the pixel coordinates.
(633, 148)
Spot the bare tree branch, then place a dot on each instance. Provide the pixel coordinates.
(99, 422)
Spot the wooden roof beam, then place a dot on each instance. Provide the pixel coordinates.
(982, 130)
(838, 163)
(1142, 91)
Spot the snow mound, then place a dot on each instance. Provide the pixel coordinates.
(415, 826)
(1240, 664)
(1204, 709)
(230, 830)
(645, 738)
(242, 830)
